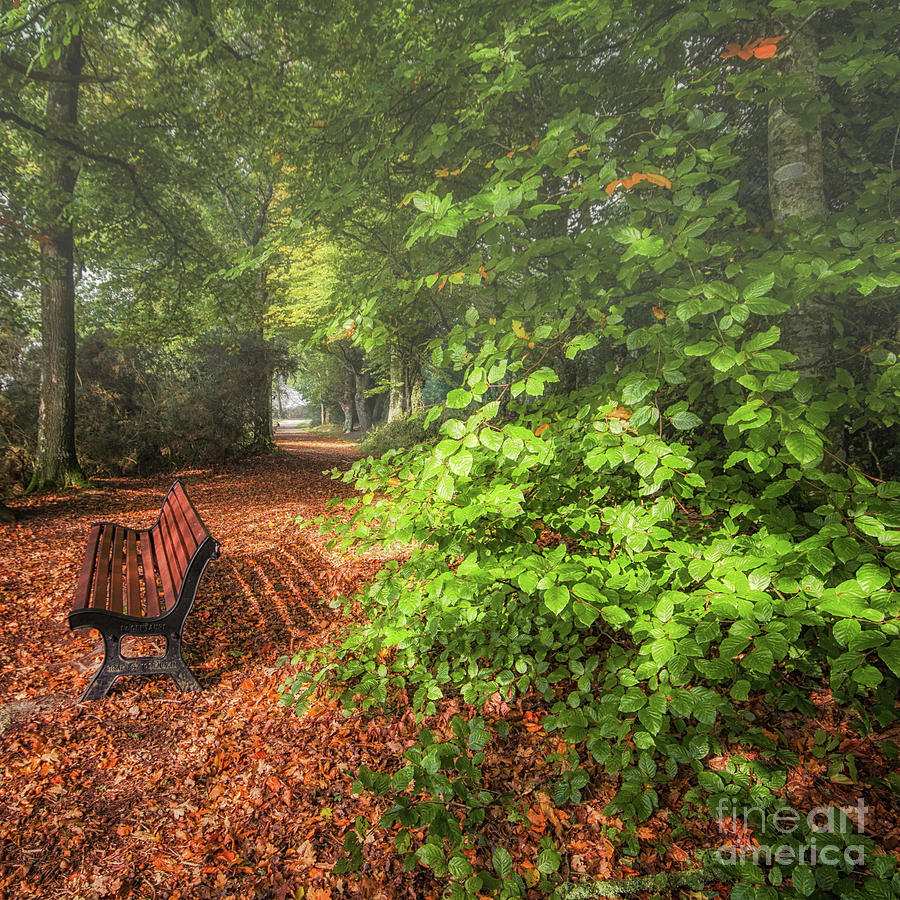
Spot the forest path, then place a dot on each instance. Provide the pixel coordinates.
(332, 450)
(153, 793)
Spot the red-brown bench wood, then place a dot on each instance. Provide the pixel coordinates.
(118, 590)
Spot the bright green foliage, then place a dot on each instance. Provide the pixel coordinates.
(665, 483)
(640, 507)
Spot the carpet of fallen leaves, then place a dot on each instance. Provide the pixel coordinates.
(152, 793)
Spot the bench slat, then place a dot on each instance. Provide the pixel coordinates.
(101, 576)
(149, 575)
(162, 565)
(111, 571)
(132, 580)
(196, 526)
(117, 565)
(177, 556)
(183, 526)
(82, 592)
(193, 527)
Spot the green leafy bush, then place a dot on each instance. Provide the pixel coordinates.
(139, 408)
(401, 434)
(665, 488)
(19, 384)
(145, 408)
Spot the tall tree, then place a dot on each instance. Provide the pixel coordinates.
(56, 463)
(43, 65)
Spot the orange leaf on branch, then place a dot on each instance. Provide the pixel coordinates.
(653, 178)
(761, 48)
(636, 177)
(765, 52)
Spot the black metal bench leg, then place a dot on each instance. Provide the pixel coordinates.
(103, 680)
(99, 686)
(114, 665)
(181, 674)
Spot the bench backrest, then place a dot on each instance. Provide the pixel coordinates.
(177, 534)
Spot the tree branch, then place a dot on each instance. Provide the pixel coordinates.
(113, 161)
(232, 209)
(263, 215)
(43, 75)
(31, 19)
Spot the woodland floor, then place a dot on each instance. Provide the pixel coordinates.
(152, 793)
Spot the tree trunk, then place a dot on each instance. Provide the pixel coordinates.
(796, 180)
(361, 385)
(345, 397)
(346, 406)
(416, 390)
(263, 437)
(395, 374)
(379, 406)
(797, 192)
(56, 463)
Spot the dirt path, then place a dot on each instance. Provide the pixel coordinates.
(151, 793)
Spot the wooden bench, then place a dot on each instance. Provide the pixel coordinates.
(143, 583)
